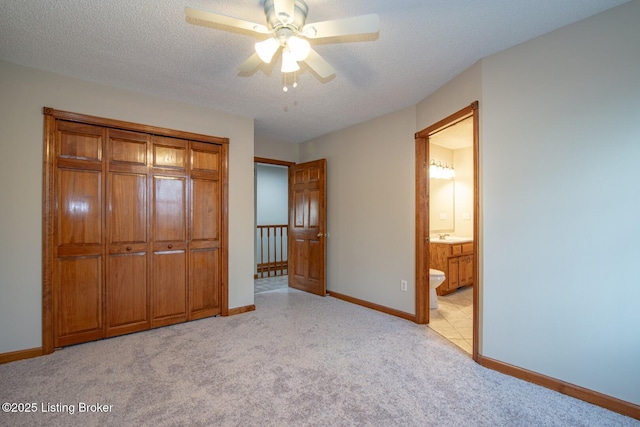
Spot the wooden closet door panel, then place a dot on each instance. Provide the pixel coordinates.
(169, 281)
(169, 206)
(127, 149)
(79, 273)
(79, 207)
(127, 208)
(79, 141)
(204, 281)
(169, 299)
(78, 276)
(205, 210)
(127, 305)
(126, 287)
(127, 191)
(79, 300)
(169, 153)
(205, 158)
(205, 230)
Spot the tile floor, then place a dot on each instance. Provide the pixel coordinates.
(270, 283)
(453, 319)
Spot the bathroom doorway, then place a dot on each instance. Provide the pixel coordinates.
(447, 206)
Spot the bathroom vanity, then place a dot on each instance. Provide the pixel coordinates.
(455, 258)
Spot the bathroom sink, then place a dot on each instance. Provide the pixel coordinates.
(451, 239)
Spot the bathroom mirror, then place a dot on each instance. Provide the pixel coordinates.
(441, 205)
(441, 191)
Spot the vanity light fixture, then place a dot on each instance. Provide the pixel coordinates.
(440, 170)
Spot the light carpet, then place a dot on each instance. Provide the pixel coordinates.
(298, 360)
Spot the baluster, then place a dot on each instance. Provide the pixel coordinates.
(269, 267)
(261, 253)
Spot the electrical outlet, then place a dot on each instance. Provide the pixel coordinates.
(403, 285)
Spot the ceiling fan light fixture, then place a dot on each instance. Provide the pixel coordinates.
(299, 48)
(267, 48)
(289, 63)
(287, 23)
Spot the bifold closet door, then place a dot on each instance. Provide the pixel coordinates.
(78, 267)
(169, 231)
(127, 293)
(205, 162)
(135, 229)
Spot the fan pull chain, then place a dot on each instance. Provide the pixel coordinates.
(295, 81)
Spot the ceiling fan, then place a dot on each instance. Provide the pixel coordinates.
(286, 24)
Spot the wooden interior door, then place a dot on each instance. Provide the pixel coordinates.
(78, 267)
(307, 226)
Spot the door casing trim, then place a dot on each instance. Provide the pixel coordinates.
(422, 216)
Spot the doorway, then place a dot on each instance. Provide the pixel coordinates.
(271, 204)
(303, 237)
(447, 220)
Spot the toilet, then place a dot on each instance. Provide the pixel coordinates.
(436, 277)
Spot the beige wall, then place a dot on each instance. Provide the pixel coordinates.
(371, 208)
(561, 147)
(23, 93)
(461, 91)
(276, 150)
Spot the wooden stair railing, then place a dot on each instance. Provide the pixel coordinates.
(273, 250)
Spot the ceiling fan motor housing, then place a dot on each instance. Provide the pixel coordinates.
(294, 23)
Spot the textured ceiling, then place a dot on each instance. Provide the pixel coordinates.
(148, 46)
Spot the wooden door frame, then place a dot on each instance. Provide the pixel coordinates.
(422, 216)
(48, 204)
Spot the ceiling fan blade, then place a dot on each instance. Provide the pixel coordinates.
(250, 64)
(363, 24)
(225, 20)
(318, 64)
(284, 10)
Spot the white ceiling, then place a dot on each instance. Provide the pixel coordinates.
(460, 135)
(148, 46)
